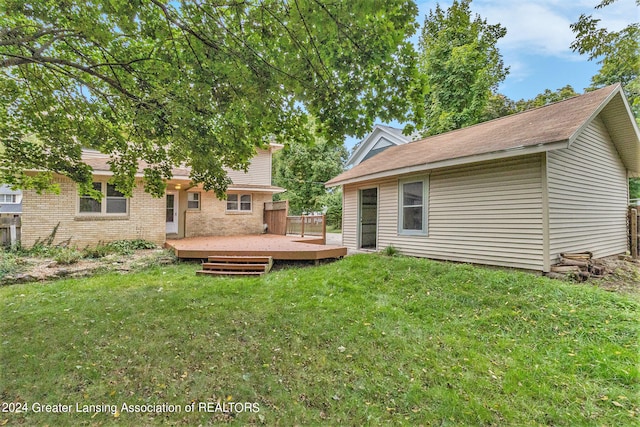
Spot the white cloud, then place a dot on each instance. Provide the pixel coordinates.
(541, 27)
(532, 27)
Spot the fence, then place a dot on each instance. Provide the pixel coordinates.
(10, 231)
(634, 230)
(275, 216)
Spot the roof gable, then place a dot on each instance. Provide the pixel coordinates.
(540, 129)
(385, 134)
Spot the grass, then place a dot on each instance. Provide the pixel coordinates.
(364, 341)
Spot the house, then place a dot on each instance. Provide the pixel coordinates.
(10, 202)
(515, 191)
(380, 138)
(185, 211)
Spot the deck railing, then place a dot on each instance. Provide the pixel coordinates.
(307, 225)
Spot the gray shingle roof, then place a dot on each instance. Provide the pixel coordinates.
(552, 123)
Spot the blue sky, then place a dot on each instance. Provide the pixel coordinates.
(536, 47)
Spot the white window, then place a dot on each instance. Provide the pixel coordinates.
(8, 198)
(113, 202)
(193, 201)
(412, 215)
(239, 202)
(245, 202)
(116, 202)
(89, 204)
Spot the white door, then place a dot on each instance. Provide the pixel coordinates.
(172, 212)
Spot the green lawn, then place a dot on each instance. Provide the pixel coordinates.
(364, 341)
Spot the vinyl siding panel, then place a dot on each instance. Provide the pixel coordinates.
(350, 216)
(486, 213)
(258, 173)
(587, 196)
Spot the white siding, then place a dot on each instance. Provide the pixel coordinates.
(350, 216)
(587, 196)
(259, 172)
(486, 213)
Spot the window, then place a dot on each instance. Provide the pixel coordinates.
(90, 205)
(113, 202)
(116, 202)
(412, 214)
(193, 200)
(245, 202)
(8, 198)
(232, 202)
(239, 202)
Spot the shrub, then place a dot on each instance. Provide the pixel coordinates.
(122, 247)
(67, 256)
(128, 246)
(391, 251)
(8, 262)
(96, 252)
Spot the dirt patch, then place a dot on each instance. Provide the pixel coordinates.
(623, 275)
(33, 269)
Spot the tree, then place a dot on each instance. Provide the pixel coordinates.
(302, 168)
(461, 67)
(617, 51)
(619, 54)
(545, 98)
(199, 83)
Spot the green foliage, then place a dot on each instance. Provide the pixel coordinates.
(546, 98)
(8, 262)
(333, 202)
(390, 251)
(195, 83)
(500, 105)
(302, 168)
(125, 247)
(617, 51)
(634, 188)
(121, 247)
(460, 66)
(67, 256)
(619, 54)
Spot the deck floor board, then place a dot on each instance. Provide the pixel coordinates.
(278, 247)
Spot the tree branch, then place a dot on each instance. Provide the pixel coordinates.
(37, 59)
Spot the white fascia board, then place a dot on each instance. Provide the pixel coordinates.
(371, 140)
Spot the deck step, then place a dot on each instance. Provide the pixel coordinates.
(240, 259)
(229, 266)
(230, 273)
(237, 265)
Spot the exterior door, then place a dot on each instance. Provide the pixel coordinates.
(172, 213)
(368, 218)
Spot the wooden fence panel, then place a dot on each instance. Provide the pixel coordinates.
(634, 232)
(275, 216)
(10, 231)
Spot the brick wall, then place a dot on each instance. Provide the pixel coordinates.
(42, 212)
(213, 220)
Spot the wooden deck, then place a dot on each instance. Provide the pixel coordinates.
(275, 246)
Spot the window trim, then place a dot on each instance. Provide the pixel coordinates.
(425, 206)
(199, 200)
(103, 204)
(238, 201)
